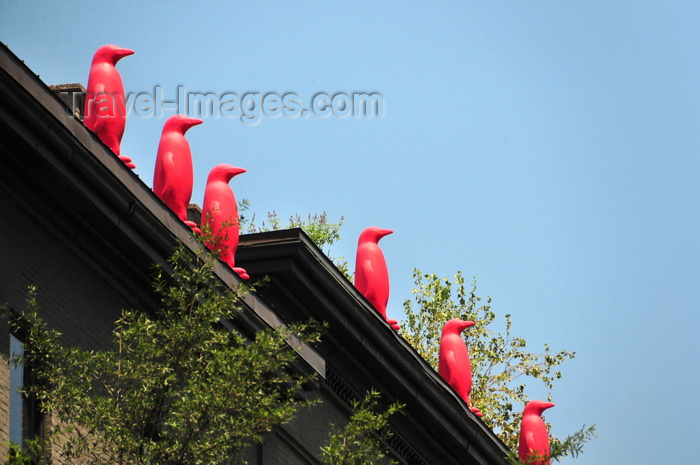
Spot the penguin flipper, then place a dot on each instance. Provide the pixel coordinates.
(168, 166)
(371, 290)
(529, 438)
(92, 121)
(215, 218)
(451, 366)
(159, 174)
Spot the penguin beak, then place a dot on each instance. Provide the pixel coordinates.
(119, 53)
(384, 232)
(234, 171)
(467, 324)
(189, 122)
(544, 406)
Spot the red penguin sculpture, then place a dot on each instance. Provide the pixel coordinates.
(533, 448)
(371, 274)
(454, 365)
(220, 214)
(174, 173)
(104, 112)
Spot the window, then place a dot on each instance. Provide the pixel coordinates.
(16, 398)
(26, 420)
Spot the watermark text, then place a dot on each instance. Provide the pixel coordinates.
(248, 107)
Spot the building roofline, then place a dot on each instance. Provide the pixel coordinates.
(292, 260)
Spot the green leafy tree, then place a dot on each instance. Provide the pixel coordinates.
(359, 442)
(174, 388)
(501, 362)
(29, 453)
(167, 407)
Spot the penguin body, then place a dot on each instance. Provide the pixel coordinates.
(104, 112)
(454, 365)
(533, 448)
(174, 174)
(220, 214)
(371, 273)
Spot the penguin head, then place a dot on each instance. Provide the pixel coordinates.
(111, 54)
(224, 173)
(537, 407)
(456, 326)
(373, 234)
(180, 123)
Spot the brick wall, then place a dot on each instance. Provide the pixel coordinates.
(72, 295)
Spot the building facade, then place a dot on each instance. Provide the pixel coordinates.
(86, 231)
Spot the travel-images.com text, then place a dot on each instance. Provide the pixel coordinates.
(249, 108)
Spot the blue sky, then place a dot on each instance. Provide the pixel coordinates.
(548, 148)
